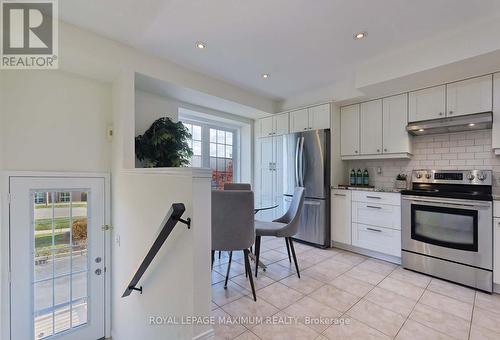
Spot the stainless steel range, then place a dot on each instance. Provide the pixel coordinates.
(447, 226)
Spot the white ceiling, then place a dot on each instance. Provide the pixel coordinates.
(304, 44)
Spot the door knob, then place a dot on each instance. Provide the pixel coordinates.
(98, 271)
(98, 259)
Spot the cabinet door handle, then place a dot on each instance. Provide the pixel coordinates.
(440, 113)
(373, 207)
(372, 229)
(385, 150)
(378, 150)
(345, 195)
(355, 151)
(375, 197)
(451, 112)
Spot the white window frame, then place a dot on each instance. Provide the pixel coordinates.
(205, 142)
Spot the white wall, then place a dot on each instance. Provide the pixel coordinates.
(150, 107)
(53, 120)
(178, 281)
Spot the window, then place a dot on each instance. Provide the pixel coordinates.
(214, 147)
(39, 197)
(195, 144)
(64, 197)
(221, 157)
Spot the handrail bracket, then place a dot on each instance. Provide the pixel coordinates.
(185, 221)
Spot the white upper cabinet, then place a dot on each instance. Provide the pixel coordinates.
(313, 118)
(428, 103)
(469, 96)
(274, 126)
(371, 127)
(495, 131)
(299, 120)
(266, 127)
(319, 117)
(395, 118)
(281, 124)
(349, 127)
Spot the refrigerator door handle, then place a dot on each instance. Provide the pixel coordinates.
(297, 162)
(301, 162)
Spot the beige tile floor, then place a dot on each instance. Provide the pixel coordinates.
(342, 295)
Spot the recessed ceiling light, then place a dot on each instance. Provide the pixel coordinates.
(201, 45)
(472, 124)
(421, 130)
(360, 35)
(265, 76)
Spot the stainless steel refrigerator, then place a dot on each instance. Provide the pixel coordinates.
(307, 164)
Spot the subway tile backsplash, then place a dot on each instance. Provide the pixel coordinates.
(450, 151)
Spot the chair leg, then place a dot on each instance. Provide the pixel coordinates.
(213, 258)
(288, 250)
(257, 254)
(248, 269)
(294, 257)
(228, 268)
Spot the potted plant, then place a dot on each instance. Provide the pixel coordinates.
(164, 144)
(401, 181)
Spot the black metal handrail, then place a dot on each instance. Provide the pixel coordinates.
(173, 216)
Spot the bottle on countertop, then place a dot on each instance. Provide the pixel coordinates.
(359, 177)
(366, 177)
(352, 177)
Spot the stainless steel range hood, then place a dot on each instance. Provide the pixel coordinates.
(476, 121)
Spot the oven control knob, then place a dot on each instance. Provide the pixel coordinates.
(470, 176)
(428, 176)
(481, 176)
(418, 175)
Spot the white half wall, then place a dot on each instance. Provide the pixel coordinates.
(177, 283)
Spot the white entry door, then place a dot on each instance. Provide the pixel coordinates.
(57, 258)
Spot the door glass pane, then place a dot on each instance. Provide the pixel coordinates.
(60, 261)
(454, 228)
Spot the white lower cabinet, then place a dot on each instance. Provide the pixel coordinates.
(496, 242)
(380, 215)
(496, 249)
(341, 216)
(382, 240)
(373, 222)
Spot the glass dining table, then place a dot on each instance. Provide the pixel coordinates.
(256, 210)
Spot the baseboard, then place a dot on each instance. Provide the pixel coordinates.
(205, 335)
(496, 288)
(367, 252)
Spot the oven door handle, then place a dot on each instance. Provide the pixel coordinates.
(444, 202)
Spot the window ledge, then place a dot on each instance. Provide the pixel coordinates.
(183, 171)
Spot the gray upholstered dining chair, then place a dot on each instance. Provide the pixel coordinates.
(233, 226)
(286, 226)
(236, 186)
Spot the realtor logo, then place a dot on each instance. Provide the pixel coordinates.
(29, 34)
